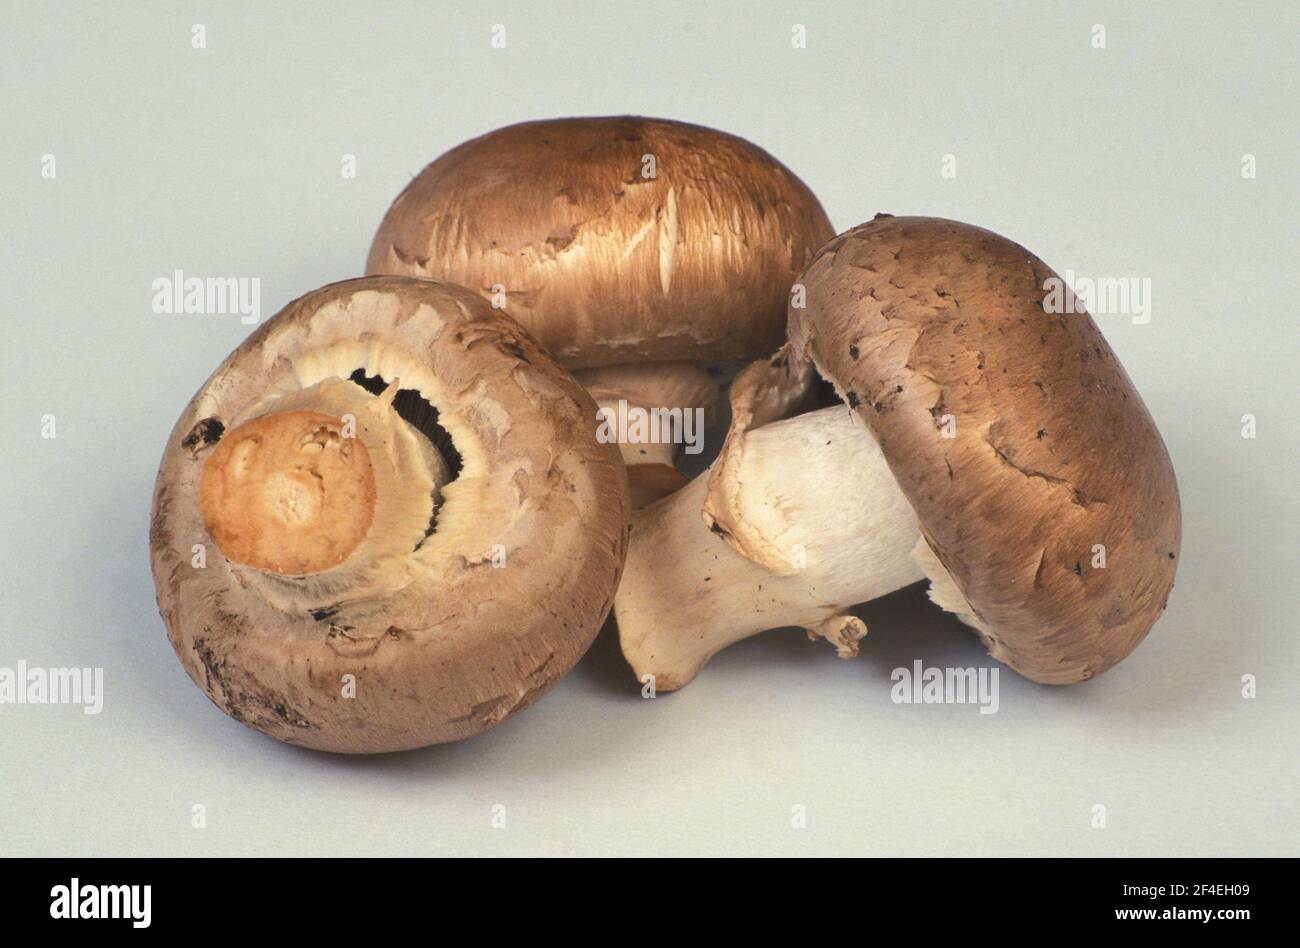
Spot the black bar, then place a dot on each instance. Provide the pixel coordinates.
(327, 896)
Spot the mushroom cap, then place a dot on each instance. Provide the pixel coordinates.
(476, 622)
(926, 326)
(601, 262)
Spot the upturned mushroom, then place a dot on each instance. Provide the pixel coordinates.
(979, 441)
(652, 257)
(385, 521)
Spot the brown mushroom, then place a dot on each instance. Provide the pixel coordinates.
(641, 252)
(385, 521)
(987, 444)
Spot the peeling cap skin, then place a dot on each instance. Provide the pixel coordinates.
(448, 531)
(656, 246)
(995, 448)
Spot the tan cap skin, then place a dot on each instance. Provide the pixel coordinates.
(385, 521)
(995, 448)
(659, 248)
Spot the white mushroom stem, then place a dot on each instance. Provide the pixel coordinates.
(820, 509)
(651, 409)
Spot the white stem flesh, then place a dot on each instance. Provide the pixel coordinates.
(815, 486)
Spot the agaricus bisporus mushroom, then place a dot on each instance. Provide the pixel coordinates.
(651, 257)
(385, 521)
(977, 440)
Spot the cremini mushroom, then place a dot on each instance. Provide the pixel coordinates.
(385, 521)
(982, 442)
(652, 257)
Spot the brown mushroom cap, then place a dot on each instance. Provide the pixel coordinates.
(603, 264)
(921, 322)
(484, 614)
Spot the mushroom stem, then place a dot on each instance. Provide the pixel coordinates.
(652, 409)
(823, 512)
(326, 489)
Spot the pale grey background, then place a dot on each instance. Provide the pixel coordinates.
(226, 161)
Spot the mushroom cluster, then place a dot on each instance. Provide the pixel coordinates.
(403, 508)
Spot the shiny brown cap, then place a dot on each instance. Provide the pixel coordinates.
(1052, 506)
(616, 240)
